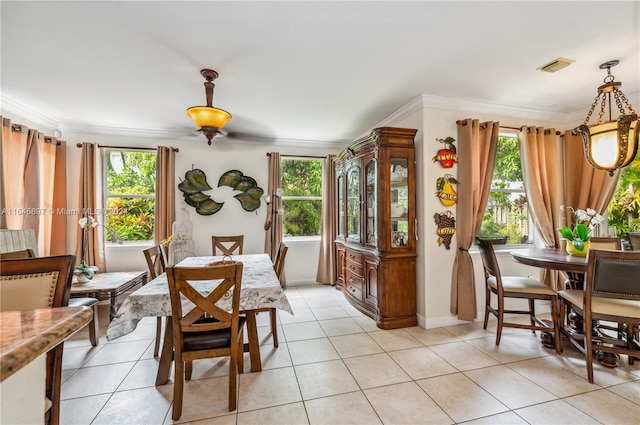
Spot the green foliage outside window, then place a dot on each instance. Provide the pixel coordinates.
(624, 208)
(131, 175)
(301, 179)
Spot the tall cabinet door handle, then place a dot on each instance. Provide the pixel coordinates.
(415, 227)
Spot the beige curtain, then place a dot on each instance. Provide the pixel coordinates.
(477, 145)
(585, 186)
(273, 225)
(165, 210)
(89, 202)
(33, 179)
(542, 164)
(328, 224)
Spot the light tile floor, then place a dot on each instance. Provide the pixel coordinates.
(334, 366)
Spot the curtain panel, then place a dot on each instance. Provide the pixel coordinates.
(33, 161)
(477, 146)
(165, 209)
(328, 224)
(90, 200)
(585, 186)
(542, 164)
(273, 224)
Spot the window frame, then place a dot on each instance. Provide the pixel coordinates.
(105, 194)
(284, 197)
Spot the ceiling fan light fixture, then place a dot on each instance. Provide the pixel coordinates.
(610, 145)
(209, 119)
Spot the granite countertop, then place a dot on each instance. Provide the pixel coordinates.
(25, 335)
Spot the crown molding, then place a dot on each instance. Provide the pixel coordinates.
(9, 108)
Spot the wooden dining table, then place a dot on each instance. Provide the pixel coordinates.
(260, 289)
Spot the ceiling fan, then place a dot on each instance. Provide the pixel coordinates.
(210, 120)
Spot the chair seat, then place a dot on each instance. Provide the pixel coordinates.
(521, 284)
(209, 339)
(600, 305)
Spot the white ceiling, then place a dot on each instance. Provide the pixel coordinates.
(304, 71)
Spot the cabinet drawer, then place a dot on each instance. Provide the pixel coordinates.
(353, 257)
(354, 268)
(354, 281)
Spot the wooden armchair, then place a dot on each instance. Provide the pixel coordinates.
(156, 258)
(228, 245)
(32, 283)
(515, 287)
(206, 330)
(611, 294)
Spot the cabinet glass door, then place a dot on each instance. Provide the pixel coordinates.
(399, 202)
(353, 204)
(341, 212)
(371, 225)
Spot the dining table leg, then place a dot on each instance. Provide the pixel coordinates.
(166, 355)
(254, 343)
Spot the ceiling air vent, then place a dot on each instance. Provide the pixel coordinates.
(556, 65)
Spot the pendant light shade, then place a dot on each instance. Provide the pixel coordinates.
(210, 120)
(612, 144)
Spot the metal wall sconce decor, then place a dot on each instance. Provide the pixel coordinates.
(445, 191)
(446, 227)
(447, 156)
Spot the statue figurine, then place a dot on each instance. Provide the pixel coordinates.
(181, 245)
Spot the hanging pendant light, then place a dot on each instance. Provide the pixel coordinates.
(209, 119)
(612, 144)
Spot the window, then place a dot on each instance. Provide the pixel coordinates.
(301, 196)
(623, 214)
(506, 219)
(130, 178)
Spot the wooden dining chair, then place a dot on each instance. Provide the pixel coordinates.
(634, 240)
(228, 245)
(92, 303)
(33, 283)
(515, 287)
(613, 243)
(206, 330)
(611, 294)
(278, 267)
(23, 253)
(156, 258)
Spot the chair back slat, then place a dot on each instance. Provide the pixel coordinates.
(228, 245)
(181, 280)
(156, 260)
(24, 253)
(278, 264)
(489, 260)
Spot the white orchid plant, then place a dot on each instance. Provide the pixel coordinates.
(585, 222)
(87, 224)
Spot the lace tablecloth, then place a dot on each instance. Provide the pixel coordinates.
(260, 289)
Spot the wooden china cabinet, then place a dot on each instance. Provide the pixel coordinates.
(376, 242)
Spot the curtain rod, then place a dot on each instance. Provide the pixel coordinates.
(47, 139)
(299, 156)
(483, 125)
(128, 147)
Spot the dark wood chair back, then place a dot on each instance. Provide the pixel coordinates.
(489, 261)
(44, 282)
(228, 245)
(24, 253)
(634, 240)
(156, 260)
(613, 243)
(205, 330)
(278, 264)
